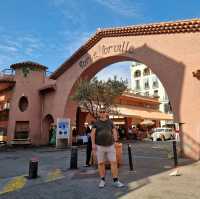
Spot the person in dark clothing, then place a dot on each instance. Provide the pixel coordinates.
(87, 130)
(89, 146)
(50, 133)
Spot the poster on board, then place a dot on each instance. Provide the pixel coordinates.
(63, 128)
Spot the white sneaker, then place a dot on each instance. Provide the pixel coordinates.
(102, 184)
(118, 184)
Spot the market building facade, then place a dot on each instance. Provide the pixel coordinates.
(170, 49)
(145, 83)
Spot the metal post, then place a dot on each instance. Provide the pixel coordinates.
(130, 157)
(33, 168)
(175, 154)
(74, 157)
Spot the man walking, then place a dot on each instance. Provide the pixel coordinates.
(103, 137)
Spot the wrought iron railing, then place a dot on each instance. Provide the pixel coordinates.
(48, 73)
(7, 72)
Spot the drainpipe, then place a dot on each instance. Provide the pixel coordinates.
(42, 109)
(42, 112)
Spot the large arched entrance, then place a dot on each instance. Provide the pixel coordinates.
(172, 52)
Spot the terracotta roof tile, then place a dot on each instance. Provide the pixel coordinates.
(28, 63)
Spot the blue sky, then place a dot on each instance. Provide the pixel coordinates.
(49, 31)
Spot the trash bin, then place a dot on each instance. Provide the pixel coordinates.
(33, 168)
(74, 157)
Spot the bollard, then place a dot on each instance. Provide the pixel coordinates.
(130, 157)
(74, 157)
(33, 168)
(175, 154)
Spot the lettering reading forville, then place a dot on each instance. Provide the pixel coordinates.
(122, 48)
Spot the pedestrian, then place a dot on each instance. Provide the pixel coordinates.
(89, 146)
(103, 137)
(50, 133)
(53, 137)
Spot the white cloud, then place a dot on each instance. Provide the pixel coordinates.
(74, 41)
(72, 12)
(125, 8)
(15, 47)
(9, 49)
(5, 61)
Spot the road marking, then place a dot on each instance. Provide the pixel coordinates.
(14, 184)
(54, 175)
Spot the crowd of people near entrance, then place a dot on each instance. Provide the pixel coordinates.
(131, 133)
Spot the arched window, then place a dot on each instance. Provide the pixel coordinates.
(155, 93)
(137, 73)
(155, 82)
(146, 71)
(146, 83)
(23, 103)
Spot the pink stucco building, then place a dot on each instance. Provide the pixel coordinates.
(170, 49)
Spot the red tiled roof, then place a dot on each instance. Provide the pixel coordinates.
(28, 63)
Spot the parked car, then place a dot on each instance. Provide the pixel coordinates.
(162, 134)
(3, 135)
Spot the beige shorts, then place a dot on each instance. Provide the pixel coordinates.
(106, 153)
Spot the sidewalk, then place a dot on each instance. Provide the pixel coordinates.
(83, 183)
(150, 181)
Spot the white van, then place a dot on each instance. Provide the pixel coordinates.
(162, 134)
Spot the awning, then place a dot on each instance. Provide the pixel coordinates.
(143, 113)
(118, 122)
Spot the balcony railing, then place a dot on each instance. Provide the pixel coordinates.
(7, 72)
(48, 73)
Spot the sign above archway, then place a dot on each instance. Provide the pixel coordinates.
(185, 26)
(123, 47)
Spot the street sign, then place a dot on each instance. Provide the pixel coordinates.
(63, 128)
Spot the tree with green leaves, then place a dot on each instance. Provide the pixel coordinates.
(94, 94)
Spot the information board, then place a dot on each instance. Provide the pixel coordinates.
(63, 128)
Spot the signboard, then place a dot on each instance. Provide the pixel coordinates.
(123, 47)
(63, 128)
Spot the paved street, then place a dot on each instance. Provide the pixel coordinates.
(152, 164)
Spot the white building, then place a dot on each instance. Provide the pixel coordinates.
(145, 82)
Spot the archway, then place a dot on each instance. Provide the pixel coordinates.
(166, 79)
(165, 48)
(135, 105)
